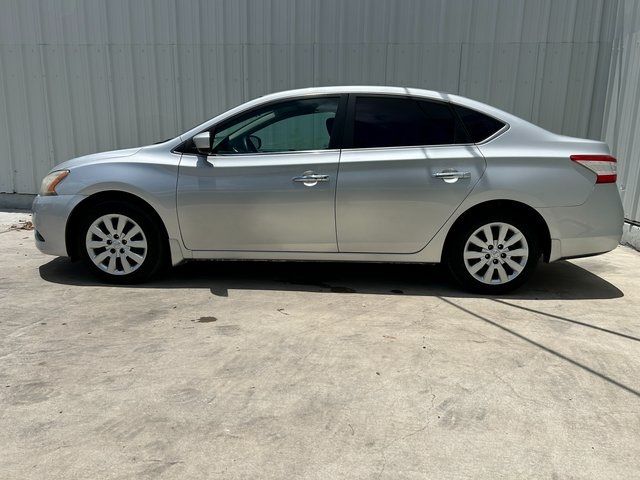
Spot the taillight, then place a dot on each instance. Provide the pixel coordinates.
(604, 166)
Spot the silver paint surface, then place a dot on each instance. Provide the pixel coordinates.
(387, 207)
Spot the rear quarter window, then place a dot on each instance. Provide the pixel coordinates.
(479, 125)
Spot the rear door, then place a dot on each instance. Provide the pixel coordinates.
(407, 165)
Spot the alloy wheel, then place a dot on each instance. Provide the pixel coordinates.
(116, 244)
(496, 253)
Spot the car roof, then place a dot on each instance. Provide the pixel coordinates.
(366, 89)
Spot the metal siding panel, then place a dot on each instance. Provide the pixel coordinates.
(210, 79)
(6, 154)
(580, 86)
(21, 97)
(153, 66)
(59, 98)
(120, 73)
(629, 146)
(273, 68)
(554, 69)
(503, 75)
(431, 66)
(350, 64)
(124, 108)
(621, 125)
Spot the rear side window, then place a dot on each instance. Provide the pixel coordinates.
(398, 122)
(479, 125)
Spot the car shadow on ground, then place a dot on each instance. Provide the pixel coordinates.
(559, 280)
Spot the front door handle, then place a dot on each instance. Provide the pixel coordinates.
(451, 176)
(310, 178)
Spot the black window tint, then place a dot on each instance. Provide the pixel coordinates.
(442, 125)
(479, 125)
(396, 122)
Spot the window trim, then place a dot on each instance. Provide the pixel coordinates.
(335, 140)
(349, 129)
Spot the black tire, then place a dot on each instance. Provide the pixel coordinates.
(454, 254)
(156, 245)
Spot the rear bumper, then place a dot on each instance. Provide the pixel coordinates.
(588, 229)
(50, 216)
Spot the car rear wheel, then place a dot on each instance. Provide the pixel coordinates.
(493, 255)
(121, 243)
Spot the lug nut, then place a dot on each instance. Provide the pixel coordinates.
(495, 260)
(500, 246)
(487, 256)
(124, 242)
(490, 247)
(115, 236)
(122, 250)
(108, 242)
(113, 250)
(503, 255)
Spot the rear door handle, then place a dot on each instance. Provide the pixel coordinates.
(310, 178)
(451, 176)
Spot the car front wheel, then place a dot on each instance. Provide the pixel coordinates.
(121, 243)
(493, 255)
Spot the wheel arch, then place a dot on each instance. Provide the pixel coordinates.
(511, 206)
(71, 239)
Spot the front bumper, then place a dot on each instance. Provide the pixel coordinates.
(50, 216)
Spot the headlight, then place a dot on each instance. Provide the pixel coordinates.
(51, 181)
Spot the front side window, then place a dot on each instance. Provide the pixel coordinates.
(290, 126)
(398, 122)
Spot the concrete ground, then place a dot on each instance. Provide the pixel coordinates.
(316, 371)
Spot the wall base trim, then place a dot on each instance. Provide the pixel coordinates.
(18, 201)
(631, 235)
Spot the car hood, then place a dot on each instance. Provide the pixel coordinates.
(96, 157)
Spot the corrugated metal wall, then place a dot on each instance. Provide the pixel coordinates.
(622, 115)
(79, 76)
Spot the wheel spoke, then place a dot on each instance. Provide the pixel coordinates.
(122, 221)
(477, 267)
(518, 252)
(502, 233)
(514, 239)
(137, 244)
(514, 265)
(125, 265)
(96, 244)
(488, 275)
(133, 232)
(477, 242)
(488, 233)
(502, 273)
(100, 258)
(472, 254)
(135, 257)
(111, 267)
(108, 222)
(98, 232)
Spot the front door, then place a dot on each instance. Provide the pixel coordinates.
(269, 184)
(409, 165)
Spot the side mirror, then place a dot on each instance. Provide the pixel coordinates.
(202, 142)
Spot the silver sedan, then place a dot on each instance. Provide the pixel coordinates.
(363, 174)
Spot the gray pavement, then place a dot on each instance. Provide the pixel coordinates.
(316, 371)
